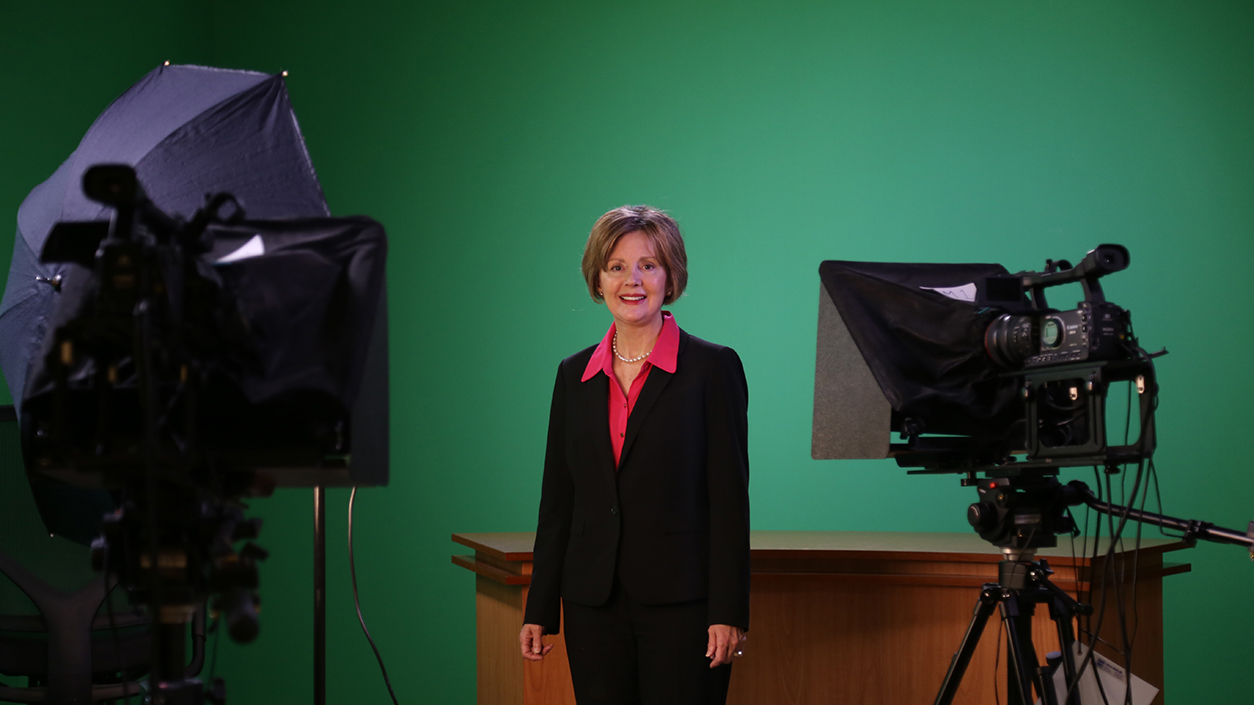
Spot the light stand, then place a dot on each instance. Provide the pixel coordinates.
(320, 595)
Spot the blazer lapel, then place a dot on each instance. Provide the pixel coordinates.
(599, 418)
(653, 387)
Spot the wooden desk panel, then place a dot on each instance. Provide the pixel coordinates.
(848, 617)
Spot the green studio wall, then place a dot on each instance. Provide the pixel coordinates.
(488, 136)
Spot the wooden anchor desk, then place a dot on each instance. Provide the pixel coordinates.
(837, 617)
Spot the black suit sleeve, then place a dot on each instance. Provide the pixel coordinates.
(727, 467)
(553, 528)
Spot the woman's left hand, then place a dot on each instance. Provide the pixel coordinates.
(725, 644)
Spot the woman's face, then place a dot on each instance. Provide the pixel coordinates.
(633, 282)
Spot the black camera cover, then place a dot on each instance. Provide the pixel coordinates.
(279, 316)
(922, 336)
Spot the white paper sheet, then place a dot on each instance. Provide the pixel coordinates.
(1112, 676)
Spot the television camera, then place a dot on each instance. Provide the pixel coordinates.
(979, 376)
(190, 364)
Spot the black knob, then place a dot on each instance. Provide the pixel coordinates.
(980, 516)
(241, 615)
(247, 529)
(98, 553)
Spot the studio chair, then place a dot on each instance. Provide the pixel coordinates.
(66, 649)
(55, 629)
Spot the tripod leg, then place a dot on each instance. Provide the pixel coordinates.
(1062, 615)
(1024, 671)
(990, 595)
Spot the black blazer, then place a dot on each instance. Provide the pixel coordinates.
(673, 520)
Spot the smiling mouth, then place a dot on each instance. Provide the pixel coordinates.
(632, 298)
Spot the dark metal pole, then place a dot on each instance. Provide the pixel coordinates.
(1192, 528)
(320, 595)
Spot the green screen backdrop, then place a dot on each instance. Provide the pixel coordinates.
(488, 136)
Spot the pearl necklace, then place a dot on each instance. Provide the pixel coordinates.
(626, 359)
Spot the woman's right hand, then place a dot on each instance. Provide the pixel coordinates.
(529, 641)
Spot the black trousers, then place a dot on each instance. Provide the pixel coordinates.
(625, 652)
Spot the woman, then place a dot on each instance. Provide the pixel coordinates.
(643, 535)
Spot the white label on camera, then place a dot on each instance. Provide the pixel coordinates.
(966, 292)
(253, 248)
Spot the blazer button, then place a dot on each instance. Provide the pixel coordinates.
(613, 510)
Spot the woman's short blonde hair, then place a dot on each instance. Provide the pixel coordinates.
(662, 232)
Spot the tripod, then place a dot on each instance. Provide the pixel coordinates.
(1022, 584)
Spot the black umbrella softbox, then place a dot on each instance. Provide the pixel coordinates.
(187, 131)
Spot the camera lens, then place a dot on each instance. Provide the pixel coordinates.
(1009, 340)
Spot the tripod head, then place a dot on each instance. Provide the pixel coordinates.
(1026, 511)
(1022, 513)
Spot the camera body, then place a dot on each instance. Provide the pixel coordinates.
(974, 370)
(1091, 331)
(1066, 361)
